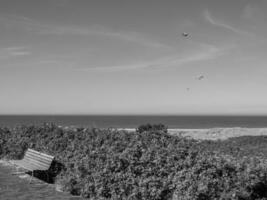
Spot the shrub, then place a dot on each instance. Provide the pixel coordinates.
(154, 127)
(249, 146)
(222, 177)
(147, 164)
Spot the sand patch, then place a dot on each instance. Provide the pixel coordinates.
(218, 133)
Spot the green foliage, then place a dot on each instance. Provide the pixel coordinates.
(213, 176)
(146, 165)
(154, 127)
(249, 146)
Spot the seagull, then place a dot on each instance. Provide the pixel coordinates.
(185, 34)
(200, 77)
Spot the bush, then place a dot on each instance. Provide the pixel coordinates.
(154, 127)
(214, 176)
(148, 164)
(250, 146)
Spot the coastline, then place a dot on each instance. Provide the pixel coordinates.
(218, 133)
(214, 133)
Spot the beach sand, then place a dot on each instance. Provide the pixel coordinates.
(214, 133)
(218, 133)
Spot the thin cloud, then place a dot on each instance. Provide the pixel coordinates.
(207, 52)
(215, 22)
(21, 23)
(254, 13)
(32, 26)
(11, 52)
(129, 36)
(20, 53)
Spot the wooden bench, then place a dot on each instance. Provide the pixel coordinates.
(34, 160)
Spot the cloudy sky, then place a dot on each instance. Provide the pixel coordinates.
(129, 57)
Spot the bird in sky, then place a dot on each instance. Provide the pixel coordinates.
(185, 34)
(200, 77)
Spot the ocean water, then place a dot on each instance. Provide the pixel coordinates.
(183, 122)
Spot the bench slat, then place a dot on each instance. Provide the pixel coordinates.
(39, 153)
(44, 165)
(37, 162)
(30, 166)
(40, 156)
(34, 160)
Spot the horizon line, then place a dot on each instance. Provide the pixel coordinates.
(148, 115)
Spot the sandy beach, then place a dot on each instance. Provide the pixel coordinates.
(214, 133)
(218, 133)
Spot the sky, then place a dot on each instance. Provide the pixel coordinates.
(130, 57)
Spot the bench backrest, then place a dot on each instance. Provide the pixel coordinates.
(39, 160)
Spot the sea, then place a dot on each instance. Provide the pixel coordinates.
(110, 121)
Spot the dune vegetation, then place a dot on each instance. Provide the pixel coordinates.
(149, 164)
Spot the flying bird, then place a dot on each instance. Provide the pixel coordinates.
(185, 34)
(200, 77)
